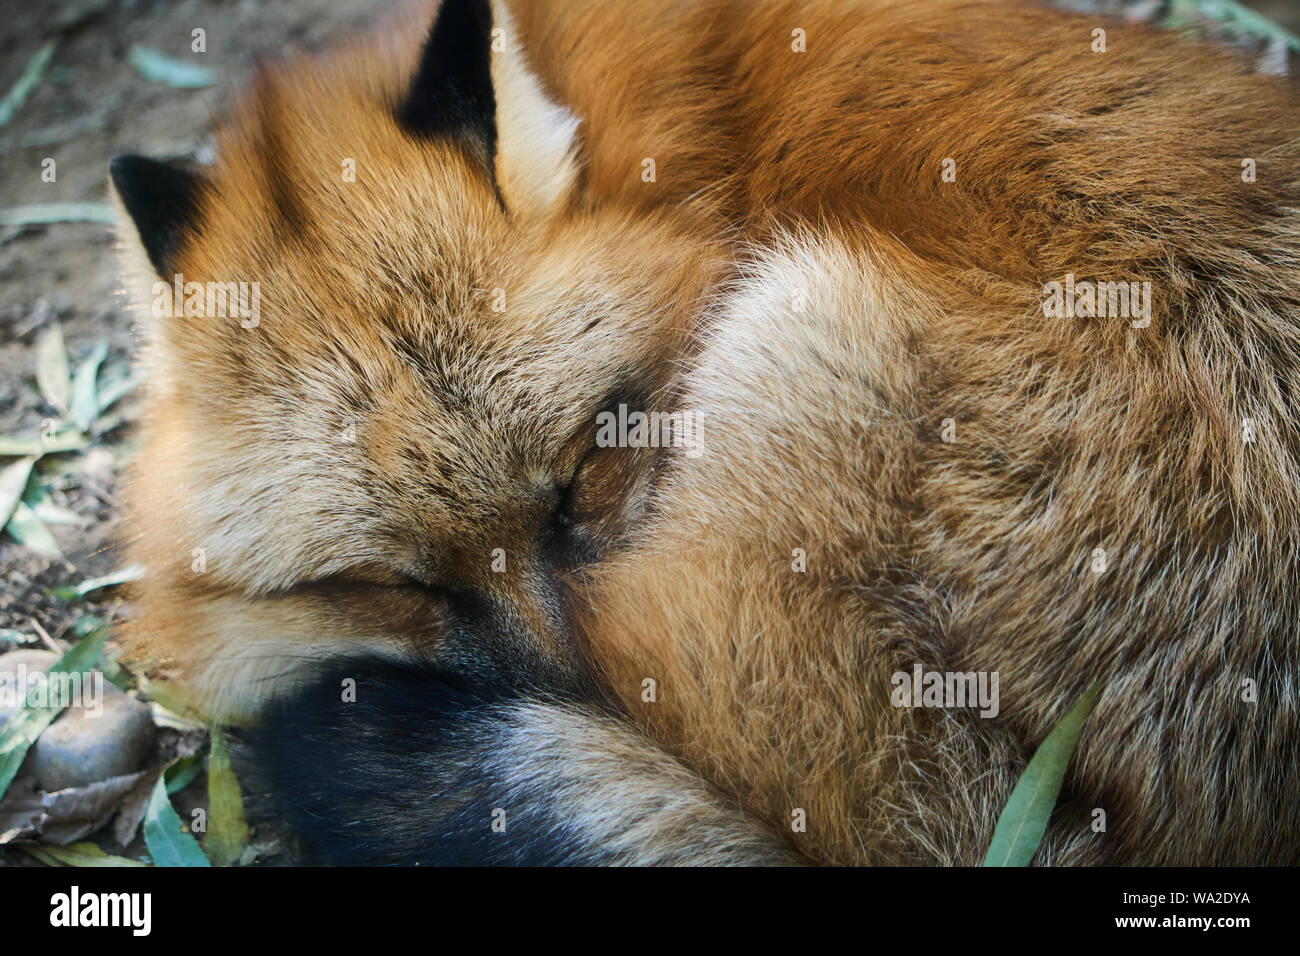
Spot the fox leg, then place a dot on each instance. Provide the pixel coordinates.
(406, 767)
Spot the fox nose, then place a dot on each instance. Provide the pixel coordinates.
(511, 630)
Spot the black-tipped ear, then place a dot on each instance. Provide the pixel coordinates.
(162, 200)
(451, 94)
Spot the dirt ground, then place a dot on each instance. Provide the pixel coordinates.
(90, 106)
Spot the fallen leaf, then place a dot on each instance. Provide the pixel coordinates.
(85, 397)
(63, 816)
(131, 812)
(17, 94)
(182, 772)
(52, 374)
(227, 827)
(51, 513)
(76, 812)
(115, 391)
(131, 572)
(157, 66)
(1023, 820)
(48, 213)
(13, 479)
(21, 811)
(169, 843)
(78, 854)
(26, 527)
(11, 445)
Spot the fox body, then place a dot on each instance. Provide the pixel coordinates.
(833, 230)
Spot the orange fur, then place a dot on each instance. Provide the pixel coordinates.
(782, 177)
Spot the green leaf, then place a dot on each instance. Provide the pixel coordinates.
(1235, 17)
(114, 391)
(51, 513)
(115, 674)
(67, 440)
(17, 94)
(47, 213)
(79, 854)
(169, 843)
(9, 636)
(181, 773)
(21, 730)
(157, 66)
(87, 624)
(13, 479)
(1024, 819)
(173, 698)
(52, 374)
(29, 530)
(108, 423)
(85, 398)
(131, 572)
(227, 827)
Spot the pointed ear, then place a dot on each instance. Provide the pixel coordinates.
(163, 202)
(474, 84)
(451, 93)
(537, 161)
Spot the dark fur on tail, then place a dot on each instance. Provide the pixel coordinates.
(421, 769)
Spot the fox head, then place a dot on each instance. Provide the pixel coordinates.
(380, 331)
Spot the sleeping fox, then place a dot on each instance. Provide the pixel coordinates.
(632, 413)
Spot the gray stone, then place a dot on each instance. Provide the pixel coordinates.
(81, 748)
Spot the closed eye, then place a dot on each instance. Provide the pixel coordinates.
(563, 517)
(426, 588)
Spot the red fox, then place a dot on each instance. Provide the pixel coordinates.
(609, 416)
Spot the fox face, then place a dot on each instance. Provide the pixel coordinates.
(398, 412)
